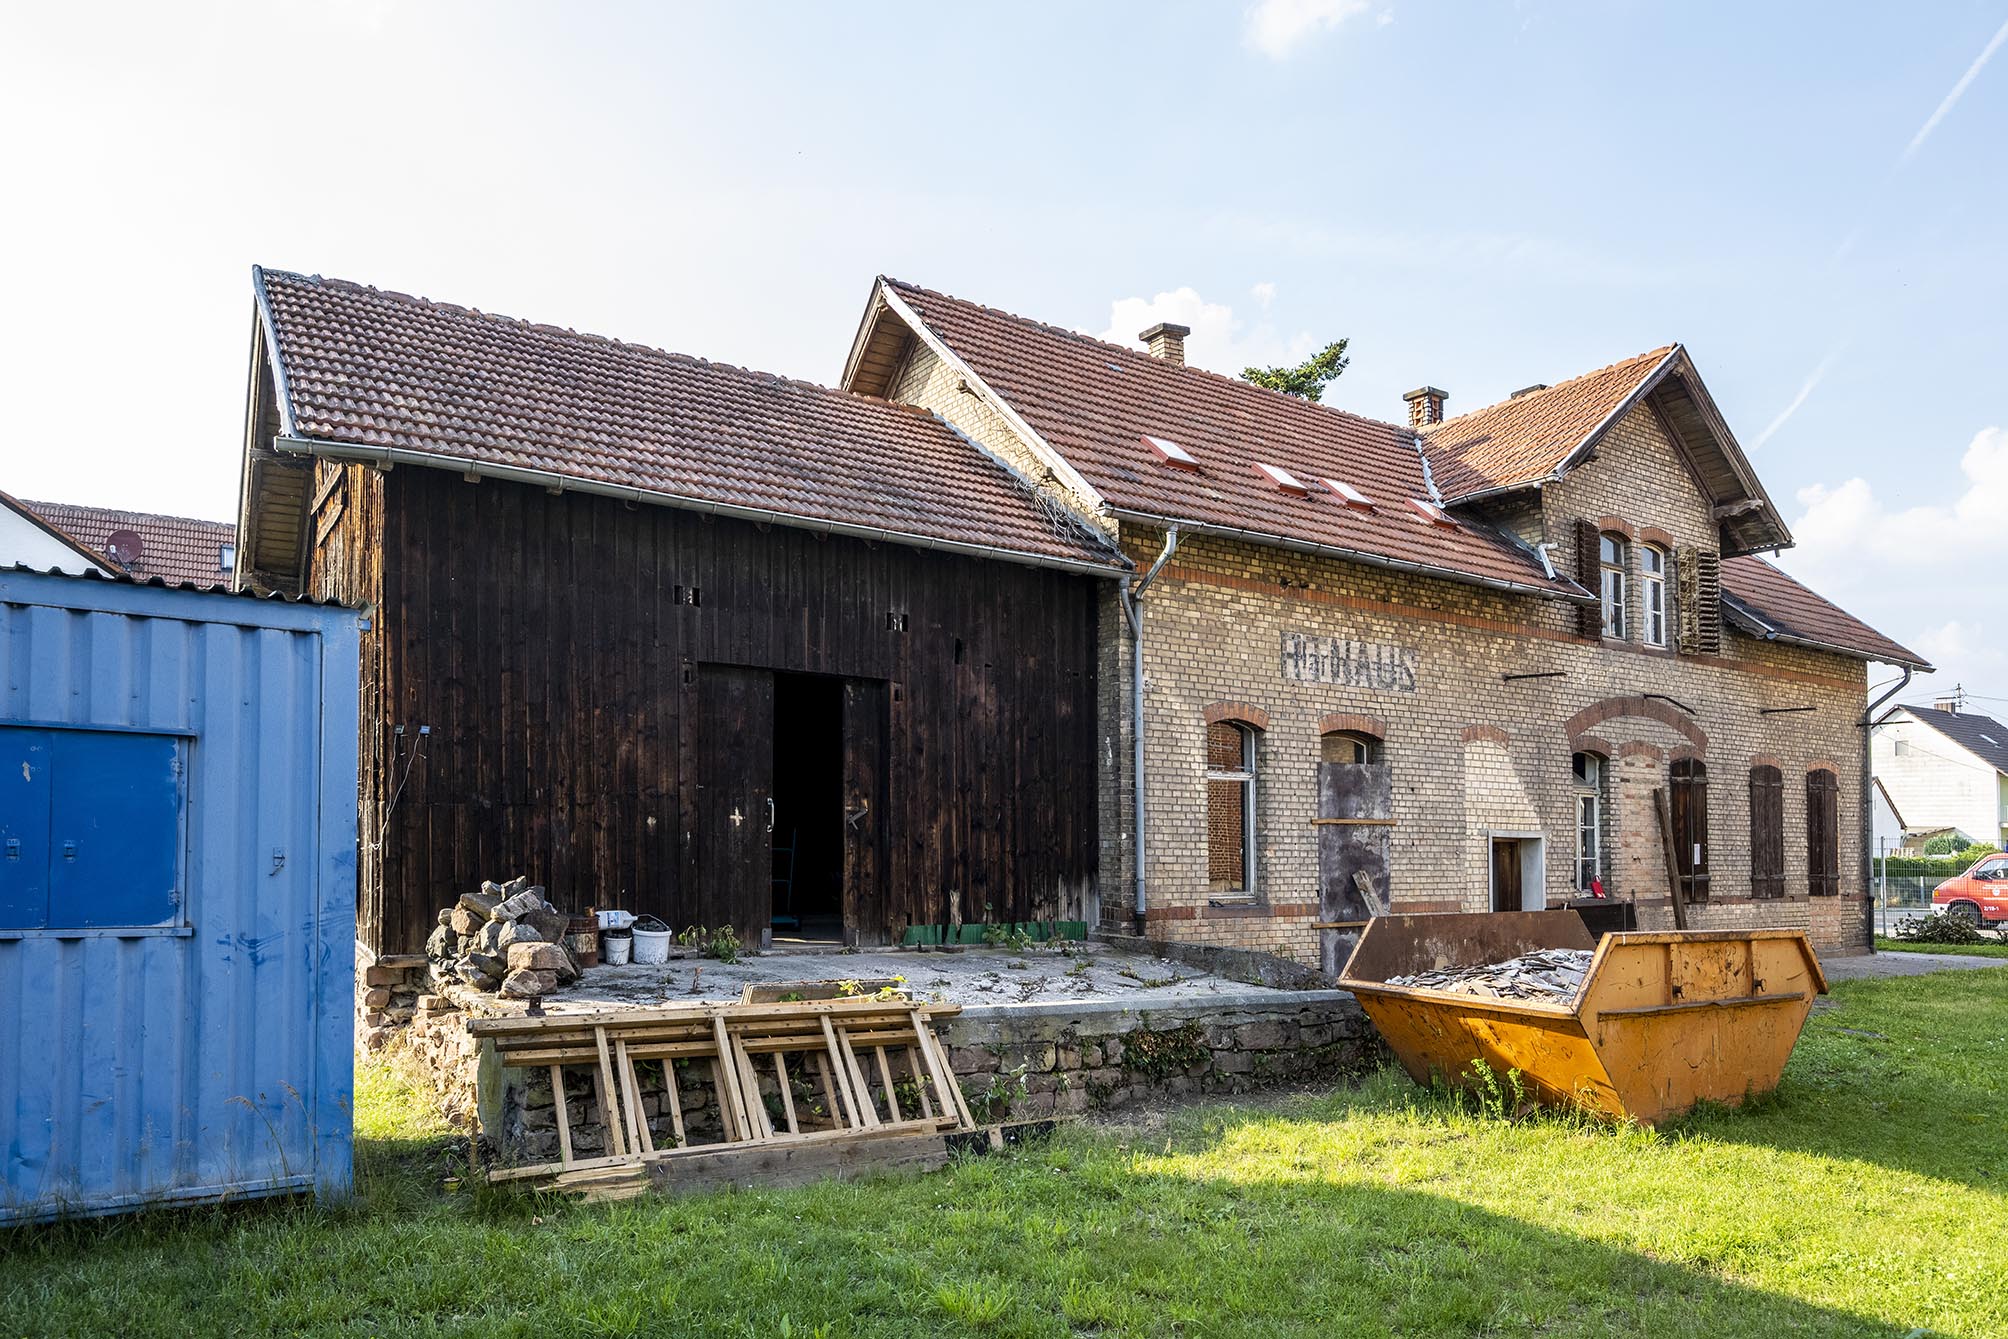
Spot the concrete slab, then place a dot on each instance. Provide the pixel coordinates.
(1885, 964)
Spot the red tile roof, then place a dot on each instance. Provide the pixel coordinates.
(1786, 609)
(372, 368)
(1527, 437)
(1095, 404)
(180, 550)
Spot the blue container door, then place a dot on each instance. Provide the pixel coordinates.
(114, 829)
(24, 828)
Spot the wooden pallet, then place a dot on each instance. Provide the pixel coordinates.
(860, 1051)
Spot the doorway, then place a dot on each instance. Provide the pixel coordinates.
(808, 835)
(1518, 877)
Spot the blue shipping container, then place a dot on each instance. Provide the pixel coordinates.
(177, 895)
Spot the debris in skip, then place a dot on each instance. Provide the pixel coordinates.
(505, 938)
(802, 1089)
(1549, 974)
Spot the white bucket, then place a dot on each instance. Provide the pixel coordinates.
(651, 946)
(614, 949)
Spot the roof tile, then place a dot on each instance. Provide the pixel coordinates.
(180, 550)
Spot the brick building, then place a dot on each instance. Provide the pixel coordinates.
(1503, 660)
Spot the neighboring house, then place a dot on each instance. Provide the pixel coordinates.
(1948, 769)
(180, 550)
(674, 636)
(1440, 665)
(1886, 828)
(28, 540)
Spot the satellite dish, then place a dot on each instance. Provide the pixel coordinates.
(125, 547)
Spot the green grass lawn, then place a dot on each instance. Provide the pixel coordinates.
(1865, 1198)
(1991, 949)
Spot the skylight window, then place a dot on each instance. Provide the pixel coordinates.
(1352, 496)
(1171, 453)
(1432, 513)
(1283, 479)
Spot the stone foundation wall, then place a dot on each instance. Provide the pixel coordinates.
(388, 988)
(1014, 1062)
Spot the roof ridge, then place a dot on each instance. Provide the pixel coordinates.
(584, 336)
(1656, 355)
(126, 511)
(1241, 383)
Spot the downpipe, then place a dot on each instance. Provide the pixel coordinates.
(1868, 815)
(1132, 597)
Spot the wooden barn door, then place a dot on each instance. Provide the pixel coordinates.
(728, 775)
(1355, 820)
(866, 905)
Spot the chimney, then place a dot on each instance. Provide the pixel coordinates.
(1167, 341)
(1425, 406)
(1953, 701)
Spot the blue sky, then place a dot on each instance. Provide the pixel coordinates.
(1811, 197)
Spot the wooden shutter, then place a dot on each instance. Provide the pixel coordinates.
(1697, 581)
(1823, 833)
(1688, 787)
(1589, 575)
(1767, 832)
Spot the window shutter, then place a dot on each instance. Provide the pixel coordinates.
(1707, 567)
(1688, 783)
(1767, 832)
(1589, 575)
(1823, 834)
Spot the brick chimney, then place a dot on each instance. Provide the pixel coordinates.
(1167, 341)
(1425, 406)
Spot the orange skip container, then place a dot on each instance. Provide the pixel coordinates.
(1662, 1021)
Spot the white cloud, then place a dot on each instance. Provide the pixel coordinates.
(1275, 27)
(1220, 341)
(1958, 91)
(1929, 575)
(1264, 293)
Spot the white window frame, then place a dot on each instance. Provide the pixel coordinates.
(1611, 584)
(1652, 592)
(1244, 776)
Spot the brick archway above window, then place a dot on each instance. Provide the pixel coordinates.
(1352, 723)
(1652, 534)
(1489, 734)
(1766, 760)
(1824, 765)
(1592, 744)
(1241, 713)
(1617, 525)
(1679, 751)
(1612, 708)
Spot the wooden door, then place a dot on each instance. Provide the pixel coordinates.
(1505, 874)
(1355, 820)
(866, 904)
(729, 784)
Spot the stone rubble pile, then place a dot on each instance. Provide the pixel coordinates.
(1553, 975)
(505, 938)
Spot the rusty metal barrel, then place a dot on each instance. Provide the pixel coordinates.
(1661, 1021)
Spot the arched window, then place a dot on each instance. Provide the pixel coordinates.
(1230, 808)
(1767, 831)
(1654, 566)
(1823, 833)
(1688, 778)
(1589, 770)
(1345, 746)
(1613, 560)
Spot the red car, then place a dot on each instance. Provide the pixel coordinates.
(1980, 895)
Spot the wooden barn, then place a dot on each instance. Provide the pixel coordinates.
(674, 636)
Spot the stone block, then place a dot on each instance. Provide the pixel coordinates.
(1091, 1056)
(381, 976)
(464, 922)
(479, 905)
(972, 1060)
(538, 956)
(488, 939)
(439, 944)
(549, 924)
(376, 998)
(1070, 1102)
(1264, 1036)
(524, 984)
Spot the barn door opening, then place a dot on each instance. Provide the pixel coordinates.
(1355, 820)
(867, 904)
(730, 788)
(808, 836)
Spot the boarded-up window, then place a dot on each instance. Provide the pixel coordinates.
(1344, 746)
(1230, 807)
(1688, 779)
(1767, 831)
(1823, 833)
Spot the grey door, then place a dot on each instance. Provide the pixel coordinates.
(1355, 821)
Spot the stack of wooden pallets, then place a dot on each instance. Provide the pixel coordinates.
(802, 1089)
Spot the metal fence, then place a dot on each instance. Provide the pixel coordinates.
(1901, 896)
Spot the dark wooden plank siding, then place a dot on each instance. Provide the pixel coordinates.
(546, 641)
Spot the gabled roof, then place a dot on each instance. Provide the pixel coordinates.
(1540, 435)
(1091, 406)
(366, 374)
(180, 550)
(1982, 736)
(1883, 791)
(86, 558)
(1762, 601)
